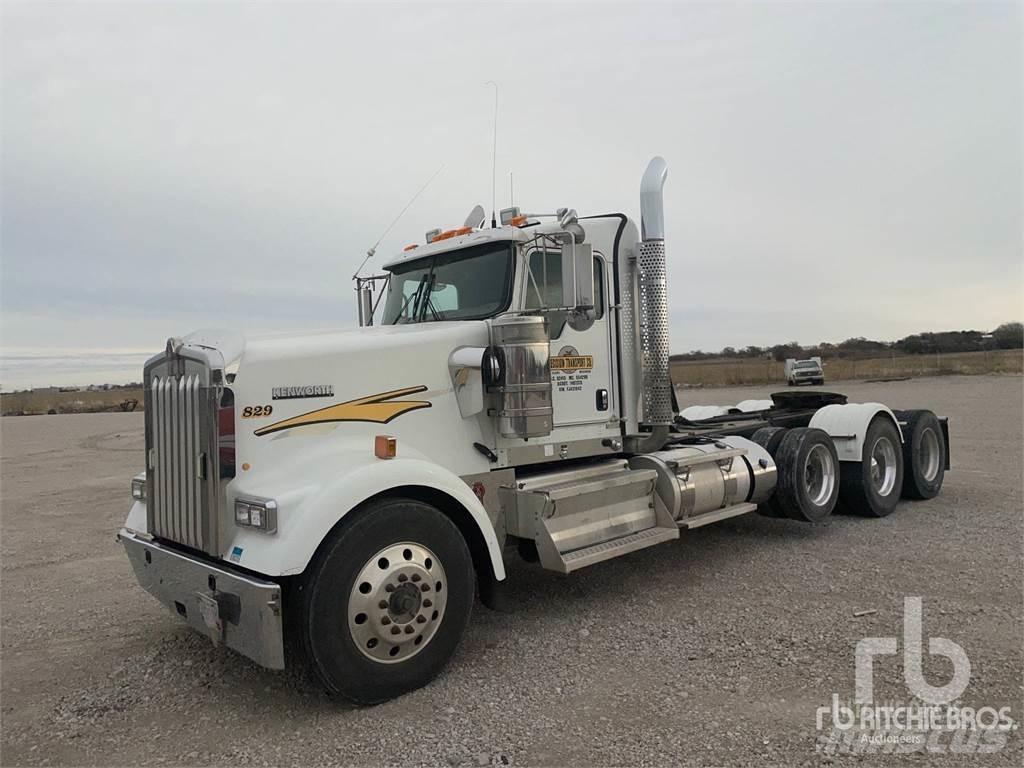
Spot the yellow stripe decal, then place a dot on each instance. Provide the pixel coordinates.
(373, 408)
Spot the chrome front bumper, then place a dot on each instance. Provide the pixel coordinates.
(240, 611)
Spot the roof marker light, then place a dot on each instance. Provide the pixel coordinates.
(452, 233)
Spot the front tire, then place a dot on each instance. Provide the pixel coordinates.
(872, 486)
(386, 601)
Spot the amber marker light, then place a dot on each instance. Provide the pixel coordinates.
(385, 447)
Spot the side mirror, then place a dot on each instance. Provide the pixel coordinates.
(577, 275)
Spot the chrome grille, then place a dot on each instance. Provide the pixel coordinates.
(181, 443)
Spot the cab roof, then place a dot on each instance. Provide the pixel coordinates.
(476, 237)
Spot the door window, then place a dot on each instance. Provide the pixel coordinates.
(544, 286)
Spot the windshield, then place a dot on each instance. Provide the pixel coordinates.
(807, 364)
(469, 284)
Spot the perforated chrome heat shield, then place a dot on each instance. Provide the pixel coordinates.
(652, 287)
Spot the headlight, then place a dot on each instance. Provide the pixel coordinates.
(139, 487)
(256, 513)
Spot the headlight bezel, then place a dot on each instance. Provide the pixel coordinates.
(248, 509)
(138, 486)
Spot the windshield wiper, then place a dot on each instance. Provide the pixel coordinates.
(430, 302)
(433, 311)
(414, 295)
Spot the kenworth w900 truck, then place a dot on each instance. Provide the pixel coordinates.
(352, 491)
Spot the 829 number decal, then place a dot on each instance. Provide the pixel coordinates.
(252, 411)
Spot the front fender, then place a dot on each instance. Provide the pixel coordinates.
(848, 424)
(308, 512)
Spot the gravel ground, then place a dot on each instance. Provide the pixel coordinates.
(716, 649)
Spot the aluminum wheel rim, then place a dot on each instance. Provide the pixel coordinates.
(819, 475)
(929, 454)
(397, 603)
(883, 466)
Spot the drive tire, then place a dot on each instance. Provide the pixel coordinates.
(924, 454)
(333, 603)
(871, 487)
(769, 439)
(808, 475)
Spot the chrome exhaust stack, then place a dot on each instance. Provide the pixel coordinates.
(652, 311)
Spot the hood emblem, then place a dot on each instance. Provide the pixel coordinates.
(379, 409)
(308, 390)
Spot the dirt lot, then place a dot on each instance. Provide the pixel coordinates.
(713, 650)
(41, 402)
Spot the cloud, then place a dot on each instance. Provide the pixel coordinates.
(835, 169)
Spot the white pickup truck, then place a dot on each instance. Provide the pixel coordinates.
(804, 372)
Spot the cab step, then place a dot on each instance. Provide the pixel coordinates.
(714, 516)
(580, 558)
(585, 515)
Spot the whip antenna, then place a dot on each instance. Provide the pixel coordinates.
(373, 249)
(494, 154)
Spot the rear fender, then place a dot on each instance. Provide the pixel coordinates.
(848, 424)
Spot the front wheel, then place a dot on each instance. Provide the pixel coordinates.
(386, 601)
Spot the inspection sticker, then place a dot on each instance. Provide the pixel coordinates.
(236, 554)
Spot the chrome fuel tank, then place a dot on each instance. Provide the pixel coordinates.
(694, 479)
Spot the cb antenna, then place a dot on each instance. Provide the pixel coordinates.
(494, 155)
(373, 248)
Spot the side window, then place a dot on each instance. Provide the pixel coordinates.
(544, 288)
(544, 281)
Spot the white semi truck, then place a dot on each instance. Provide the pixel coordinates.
(346, 494)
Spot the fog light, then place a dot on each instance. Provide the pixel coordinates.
(260, 514)
(139, 487)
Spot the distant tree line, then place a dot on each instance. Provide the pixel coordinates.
(1006, 336)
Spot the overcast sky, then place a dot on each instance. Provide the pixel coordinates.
(835, 169)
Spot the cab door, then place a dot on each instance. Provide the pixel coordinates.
(581, 371)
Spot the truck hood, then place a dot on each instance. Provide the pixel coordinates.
(331, 386)
(233, 347)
